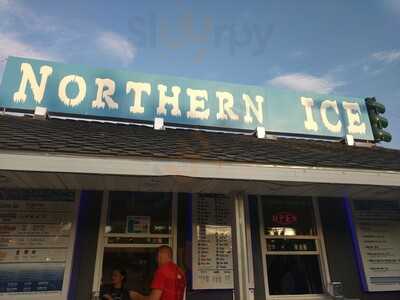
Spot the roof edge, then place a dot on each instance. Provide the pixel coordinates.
(34, 162)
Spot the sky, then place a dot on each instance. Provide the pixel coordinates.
(337, 47)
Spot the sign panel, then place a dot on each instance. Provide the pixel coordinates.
(377, 229)
(212, 242)
(111, 94)
(36, 240)
(138, 224)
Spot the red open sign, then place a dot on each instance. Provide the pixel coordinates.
(284, 218)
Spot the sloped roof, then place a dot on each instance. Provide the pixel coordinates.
(56, 136)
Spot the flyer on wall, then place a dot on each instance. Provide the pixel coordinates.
(36, 239)
(138, 224)
(212, 242)
(377, 228)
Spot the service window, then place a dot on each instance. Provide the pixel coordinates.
(291, 244)
(133, 226)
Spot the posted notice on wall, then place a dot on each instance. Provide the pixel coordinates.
(35, 240)
(212, 242)
(377, 226)
(138, 224)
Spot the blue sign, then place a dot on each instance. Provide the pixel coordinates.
(125, 95)
(23, 278)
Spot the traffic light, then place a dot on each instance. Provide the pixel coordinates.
(378, 122)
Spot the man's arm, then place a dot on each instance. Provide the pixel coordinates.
(154, 295)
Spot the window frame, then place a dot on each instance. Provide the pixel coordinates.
(102, 237)
(320, 251)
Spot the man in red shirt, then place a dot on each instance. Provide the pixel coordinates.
(169, 280)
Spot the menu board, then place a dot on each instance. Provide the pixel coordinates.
(35, 241)
(212, 242)
(377, 227)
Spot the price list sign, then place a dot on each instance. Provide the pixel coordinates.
(212, 242)
(35, 241)
(377, 227)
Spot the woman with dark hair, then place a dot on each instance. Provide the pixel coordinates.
(116, 290)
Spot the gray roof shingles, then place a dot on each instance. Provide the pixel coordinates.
(120, 140)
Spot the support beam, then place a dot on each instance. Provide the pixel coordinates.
(240, 251)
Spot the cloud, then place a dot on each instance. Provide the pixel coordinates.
(117, 46)
(15, 15)
(4, 4)
(306, 83)
(387, 56)
(12, 45)
(392, 5)
(24, 32)
(297, 54)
